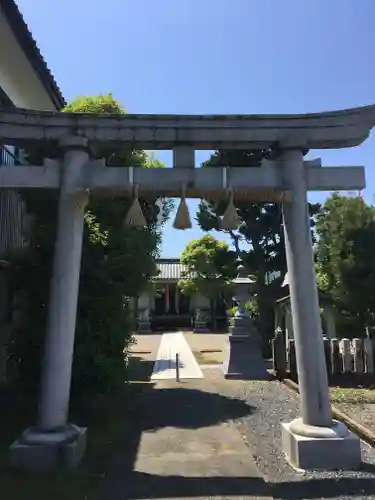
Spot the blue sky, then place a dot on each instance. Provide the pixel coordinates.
(215, 56)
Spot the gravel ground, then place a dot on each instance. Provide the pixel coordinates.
(275, 403)
(364, 413)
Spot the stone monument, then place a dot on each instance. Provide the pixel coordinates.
(242, 326)
(200, 321)
(245, 360)
(144, 325)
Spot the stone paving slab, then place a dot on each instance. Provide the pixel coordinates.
(165, 364)
(188, 448)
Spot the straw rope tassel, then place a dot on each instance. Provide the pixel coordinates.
(230, 220)
(182, 219)
(135, 217)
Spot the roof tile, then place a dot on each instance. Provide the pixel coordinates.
(29, 46)
(169, 270)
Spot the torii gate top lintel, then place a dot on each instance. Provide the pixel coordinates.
(333, 129)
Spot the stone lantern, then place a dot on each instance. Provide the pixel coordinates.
(245, 360)
(244, 290)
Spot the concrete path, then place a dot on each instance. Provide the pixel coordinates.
(186, 447)
(165, 364)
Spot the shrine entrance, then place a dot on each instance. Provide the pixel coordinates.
(314, 438)
(171, 301)
(172, 309)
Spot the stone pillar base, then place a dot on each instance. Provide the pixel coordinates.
(242, 329)
(238, 334)
(45, 452)
(320, 448)
(244, 360)
(200, 327)
(144, 326)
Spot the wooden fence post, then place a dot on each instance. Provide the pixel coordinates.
(358, 356)
(327, 353)
(292, 360)
(346, 356)
(279, 353)
(369, 355)
(336, 363)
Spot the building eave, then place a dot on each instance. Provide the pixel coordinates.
(28, 44)
(160, 281)
(170, 270)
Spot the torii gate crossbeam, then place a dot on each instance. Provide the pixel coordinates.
(199, 181)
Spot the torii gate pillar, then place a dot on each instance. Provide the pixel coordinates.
(313, 441)
(54, 442)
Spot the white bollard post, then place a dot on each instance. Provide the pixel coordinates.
(177, 367)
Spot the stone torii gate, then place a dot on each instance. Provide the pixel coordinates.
(312, 441)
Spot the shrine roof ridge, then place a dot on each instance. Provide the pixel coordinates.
(330, 129)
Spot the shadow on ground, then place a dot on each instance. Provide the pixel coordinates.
(325, 488)
(346, 380)
(140, 369)
(190, 409)
(163, 487)
(184, 408)
(352, 380)
(168, 364)
(193, 409)
(170, 407)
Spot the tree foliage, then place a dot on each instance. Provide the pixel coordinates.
(117, 263)
(210, 266)
(346, 261)
(260, 239)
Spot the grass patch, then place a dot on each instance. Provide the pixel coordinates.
(108, 420)
(352, 395)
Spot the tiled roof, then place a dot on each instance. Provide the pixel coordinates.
(169, 269)
(30, 48)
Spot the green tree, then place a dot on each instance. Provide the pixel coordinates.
(117, 263)
(259, 240)
(210, 267)
(346, 261)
